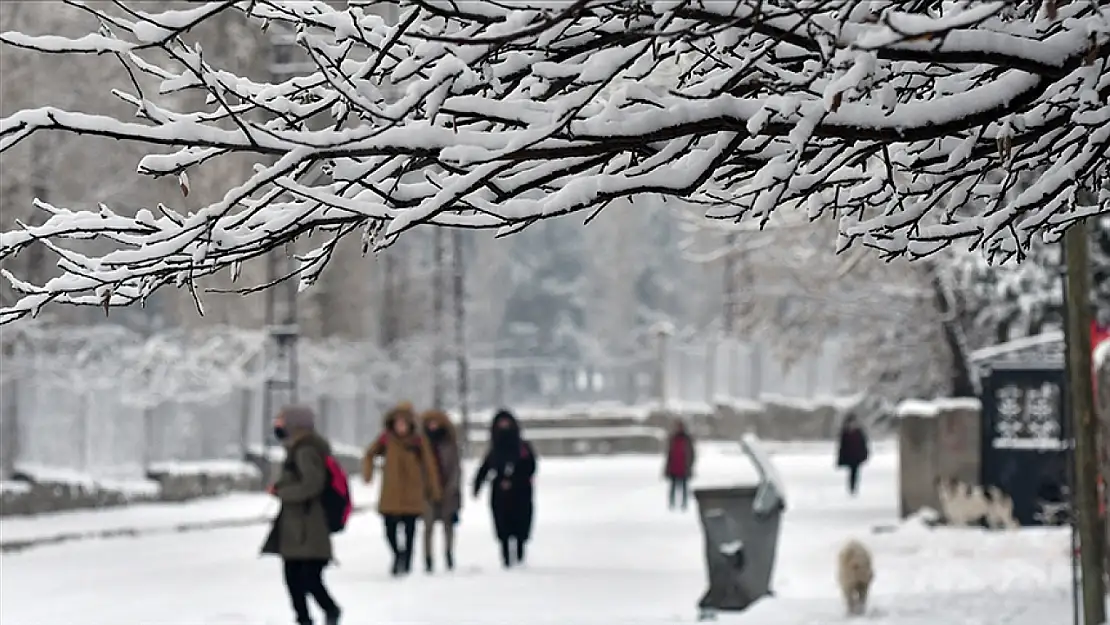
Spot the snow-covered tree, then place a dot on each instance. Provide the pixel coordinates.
(890, 116)
(894, 319)
(545, 313)
(1100, 269)
(1014, 299)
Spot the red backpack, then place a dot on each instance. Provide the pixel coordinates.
(336, 497)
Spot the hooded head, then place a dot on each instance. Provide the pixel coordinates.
(504, 430)
(401, 417)
(294, 420)
(437, 425)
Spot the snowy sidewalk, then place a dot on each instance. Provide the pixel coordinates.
(18, 533)
(142, 519)
(604, 540)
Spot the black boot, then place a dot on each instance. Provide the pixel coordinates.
(332, 619)
(506, 558)
(408, 561)
(520, 550)
(450, 561)
(398, 564)
(428, 565)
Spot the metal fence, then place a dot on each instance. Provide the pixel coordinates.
(108, 402)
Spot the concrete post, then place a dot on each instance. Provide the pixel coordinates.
(663, 332)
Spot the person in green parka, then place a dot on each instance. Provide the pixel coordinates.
(300, 534)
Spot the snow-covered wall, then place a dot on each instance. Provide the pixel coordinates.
(937, 440)
(771, 419)
(38, 489)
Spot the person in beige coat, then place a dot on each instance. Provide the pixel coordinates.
(410, 479)
(443, 439)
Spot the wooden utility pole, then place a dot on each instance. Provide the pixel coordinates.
(463, 371)
(728, 320)
(438, 288)
(1083, 423)
(390, 330)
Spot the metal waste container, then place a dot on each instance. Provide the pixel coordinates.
(741, 528)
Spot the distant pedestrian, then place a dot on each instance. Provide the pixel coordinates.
(410, 479)
(679, 466)
(511, 465)
(852, 451)
(300, 534)
(443, 440)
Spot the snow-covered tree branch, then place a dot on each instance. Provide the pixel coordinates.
(892, 116)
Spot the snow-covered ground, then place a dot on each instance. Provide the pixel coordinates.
(606, 551)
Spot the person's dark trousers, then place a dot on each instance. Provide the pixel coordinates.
(679, 488)
(304, 578)
(402, 556)
(506, 553)
(853, 479)
(520, 542)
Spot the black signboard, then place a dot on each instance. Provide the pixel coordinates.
(1026, 439)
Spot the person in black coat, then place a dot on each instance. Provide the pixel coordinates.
(510, 464)
(852, 451)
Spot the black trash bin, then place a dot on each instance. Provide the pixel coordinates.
(741, 529)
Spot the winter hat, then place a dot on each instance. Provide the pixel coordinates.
(298, 417)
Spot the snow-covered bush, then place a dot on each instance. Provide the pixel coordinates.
(912, 123)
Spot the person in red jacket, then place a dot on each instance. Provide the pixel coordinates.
(679, 467)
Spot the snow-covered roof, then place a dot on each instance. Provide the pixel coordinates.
(1045, 349)
(917, 408)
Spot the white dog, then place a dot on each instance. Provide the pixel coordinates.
(962, 504)
(965, 504)
(854, 574)
(1000, 510)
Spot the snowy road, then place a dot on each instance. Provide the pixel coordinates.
(606, 551)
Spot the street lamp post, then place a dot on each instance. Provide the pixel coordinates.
(280, 359)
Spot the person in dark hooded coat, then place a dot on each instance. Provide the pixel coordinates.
(300, 534)
(852, 451)
(510, 464)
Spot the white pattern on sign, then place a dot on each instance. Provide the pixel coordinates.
(1044, 421)
(1009, 423)
(1027, 418)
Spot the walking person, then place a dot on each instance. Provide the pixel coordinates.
(679, 466)
(510, 464)
(852, 451)
(300, 534)
(409, 480)
(443, 440)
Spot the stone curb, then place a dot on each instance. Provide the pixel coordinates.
(16, 546)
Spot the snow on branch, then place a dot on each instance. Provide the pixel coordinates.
(908, 121)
